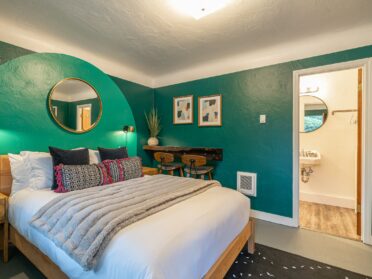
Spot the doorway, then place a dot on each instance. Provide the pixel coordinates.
(329, 155)
(328, 151)
(84, 117)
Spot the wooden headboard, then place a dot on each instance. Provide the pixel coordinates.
(5, 175)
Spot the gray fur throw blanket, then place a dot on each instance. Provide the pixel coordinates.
(83, 222)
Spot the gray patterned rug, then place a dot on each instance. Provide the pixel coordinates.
(272, 263)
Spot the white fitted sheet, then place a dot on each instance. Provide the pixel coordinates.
(182, 241)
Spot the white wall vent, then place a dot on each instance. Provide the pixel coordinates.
(247, 183)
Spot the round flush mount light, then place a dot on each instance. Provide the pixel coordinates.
(198, 8)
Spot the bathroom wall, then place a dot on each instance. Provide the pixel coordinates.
(334, 180)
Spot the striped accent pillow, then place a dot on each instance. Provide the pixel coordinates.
(78, 177)
(124, 169)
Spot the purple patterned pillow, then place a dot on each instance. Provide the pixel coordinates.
(124, 169)
(77, 177)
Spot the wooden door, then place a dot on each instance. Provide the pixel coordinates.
(359, 153)
(86, 118)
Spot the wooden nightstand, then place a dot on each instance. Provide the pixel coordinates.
(149, 171)
(4, 225)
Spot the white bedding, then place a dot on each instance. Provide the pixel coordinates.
(182, 241)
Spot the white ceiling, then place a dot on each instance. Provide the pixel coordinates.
(148, 42)
(71, 90)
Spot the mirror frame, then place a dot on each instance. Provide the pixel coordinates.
(306, 95)
(50, 107)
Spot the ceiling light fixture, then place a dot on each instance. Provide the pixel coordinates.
(198, 8)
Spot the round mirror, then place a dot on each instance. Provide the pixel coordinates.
(75, 105)
(313, 113)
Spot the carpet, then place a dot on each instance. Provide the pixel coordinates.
(272, 263)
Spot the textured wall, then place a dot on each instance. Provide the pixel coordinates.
(25, 122)
(9, 52)
(141, 100)
(249, 146)
(139, 97)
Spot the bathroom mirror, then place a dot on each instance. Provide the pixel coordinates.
(75, 105)
(313, 113)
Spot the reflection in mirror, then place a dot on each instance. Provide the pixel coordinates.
(75, 105)
(313, 113)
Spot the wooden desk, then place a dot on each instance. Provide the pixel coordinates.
(212, 154)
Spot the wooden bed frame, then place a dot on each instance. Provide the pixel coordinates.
(51, 270)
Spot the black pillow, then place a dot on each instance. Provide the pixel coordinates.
(68, 157)
(112, 153)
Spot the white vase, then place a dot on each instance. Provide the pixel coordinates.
(153, 141)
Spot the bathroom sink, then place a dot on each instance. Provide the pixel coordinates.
(309, 158)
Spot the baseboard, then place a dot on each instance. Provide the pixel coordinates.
(367, 239)
(273, 218)
(327, 199)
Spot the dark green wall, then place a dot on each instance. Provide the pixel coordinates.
(9, 52)
(265, 149)
(62, 111)
(140, 98)
(67, 111)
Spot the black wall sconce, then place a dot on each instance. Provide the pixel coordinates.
(127, 129)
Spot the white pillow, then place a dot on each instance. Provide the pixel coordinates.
(21, 172)
(94, 157)
(40, 168)
(41, 165)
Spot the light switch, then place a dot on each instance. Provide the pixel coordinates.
(263, 118)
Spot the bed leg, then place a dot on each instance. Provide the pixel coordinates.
(251, 240)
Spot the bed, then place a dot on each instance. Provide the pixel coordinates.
(204, 244)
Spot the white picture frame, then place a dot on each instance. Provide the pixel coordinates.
(210, 110)
(183, 110)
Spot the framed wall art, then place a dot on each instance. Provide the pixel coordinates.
(183, 110)
(210, 110)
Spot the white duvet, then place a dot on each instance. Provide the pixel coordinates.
(182, 241)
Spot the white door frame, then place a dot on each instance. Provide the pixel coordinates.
(78, 118)
(366, 65)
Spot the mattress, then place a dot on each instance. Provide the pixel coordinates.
(182, 241)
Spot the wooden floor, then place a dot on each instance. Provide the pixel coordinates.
(328, 219)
